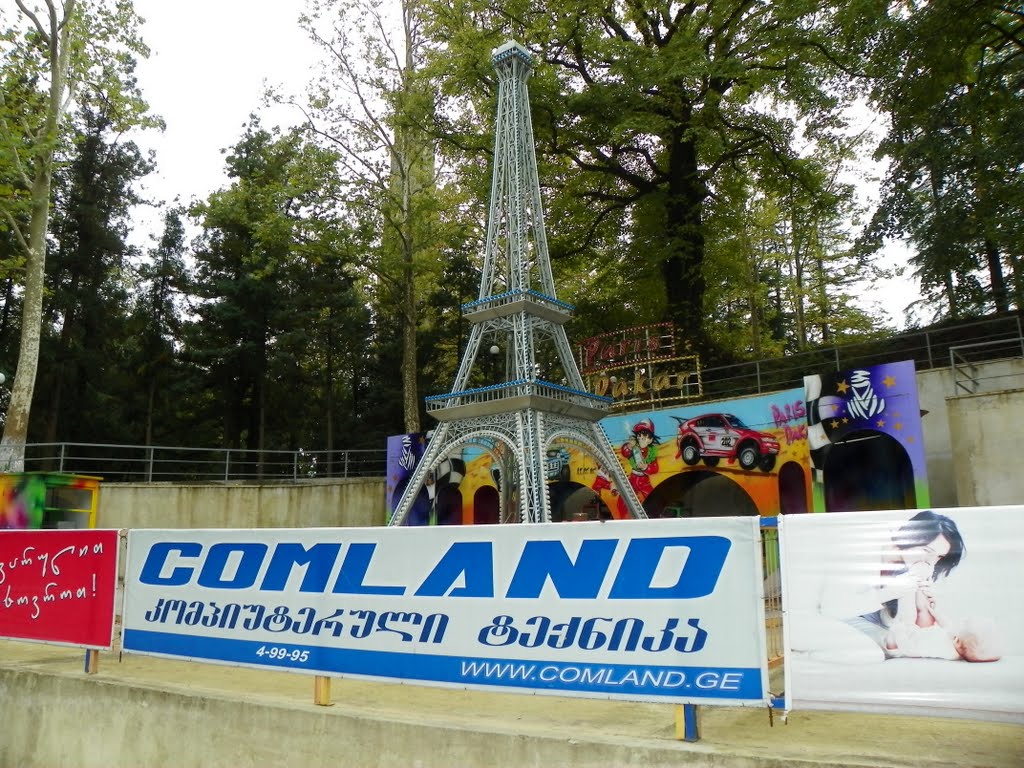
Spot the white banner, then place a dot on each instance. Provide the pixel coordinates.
(916, 612)
(654, 610)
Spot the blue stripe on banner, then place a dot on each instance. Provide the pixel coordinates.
(737, 683)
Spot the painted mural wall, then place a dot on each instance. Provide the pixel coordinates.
(865, 439)
(403, 454)
(734, 457)
(846, 440)
(746, 444)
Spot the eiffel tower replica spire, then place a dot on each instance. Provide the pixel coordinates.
(540, 401)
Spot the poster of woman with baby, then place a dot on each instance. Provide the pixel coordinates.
(915, 611)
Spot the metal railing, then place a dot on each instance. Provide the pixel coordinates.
(770, 562)
(155, 463)
(960, 347)
(988, 340)
(511, 297)
(965, 359)
(511, 389)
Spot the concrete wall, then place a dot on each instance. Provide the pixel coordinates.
(54, 720)
(987, 432)
(316, 503)
(933, 387)
(971, 446)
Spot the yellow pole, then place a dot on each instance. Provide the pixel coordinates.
(322, 691)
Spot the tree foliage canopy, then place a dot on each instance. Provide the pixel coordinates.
(698, 165)
(642, 109)
(949, 75)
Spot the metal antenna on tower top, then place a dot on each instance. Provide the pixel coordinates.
(534, 398)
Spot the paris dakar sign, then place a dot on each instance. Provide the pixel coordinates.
(640, 366)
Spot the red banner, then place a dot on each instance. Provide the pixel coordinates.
(58, 586)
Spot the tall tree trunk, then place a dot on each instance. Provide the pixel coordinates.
(799, 289)
(683, 266)
(950, 290)
(410, 385)
(150, 401)
(12, 447)
(823, 300)
(329, 399)
(1017, 274)
(56, 37)
(997, 281)
(415, 160)
(753, 275)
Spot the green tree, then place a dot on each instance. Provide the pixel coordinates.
(375, 109)
(811, 268)
(640, 108)
(54, 52)
(274, 295)
(157, 320)
(83, 390)
(949, 75)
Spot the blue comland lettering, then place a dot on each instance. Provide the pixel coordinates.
(697, 578)
(319, 560)
(157, 558)
(353, 571)
(548, 559)
(474, 560)
(212, 575)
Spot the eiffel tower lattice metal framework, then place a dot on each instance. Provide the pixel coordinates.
(538, 400)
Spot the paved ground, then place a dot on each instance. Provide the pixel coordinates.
(734, 736)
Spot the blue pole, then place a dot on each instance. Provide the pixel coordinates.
(691, 725)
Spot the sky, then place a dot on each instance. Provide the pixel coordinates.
(210, 63)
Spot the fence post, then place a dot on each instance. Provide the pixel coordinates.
(60, 464)
(687, 722)
(227, 465)
(149, 465)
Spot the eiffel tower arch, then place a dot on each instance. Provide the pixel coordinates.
(539, 399)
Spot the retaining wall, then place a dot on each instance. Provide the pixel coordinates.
(988, 429)
(315, 503)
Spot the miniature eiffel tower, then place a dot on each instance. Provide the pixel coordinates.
(523, 416)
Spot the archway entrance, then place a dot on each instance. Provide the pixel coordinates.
(699, 493)
(573, 502)
(485, 506)
(868, 471)
(449, 506)
(792, 489)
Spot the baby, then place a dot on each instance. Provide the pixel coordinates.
(973, 640)
(921, 630)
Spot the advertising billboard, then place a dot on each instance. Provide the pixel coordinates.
(665, 610)
(910, 611)
(58, 586)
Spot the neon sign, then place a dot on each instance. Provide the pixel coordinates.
(640, 367)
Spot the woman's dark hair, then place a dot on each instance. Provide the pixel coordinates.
(922, 529)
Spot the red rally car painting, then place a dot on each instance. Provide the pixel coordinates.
(715, 436)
